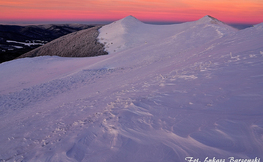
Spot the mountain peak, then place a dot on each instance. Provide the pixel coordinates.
(130, 17)
(130, 20)
(209, 19)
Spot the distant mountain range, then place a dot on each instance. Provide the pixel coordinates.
(20, 41)
(16, 40)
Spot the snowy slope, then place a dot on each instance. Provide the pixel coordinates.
(169, 92)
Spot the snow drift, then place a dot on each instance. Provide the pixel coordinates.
(164, 93)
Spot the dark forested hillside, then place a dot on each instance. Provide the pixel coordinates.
(17, 40)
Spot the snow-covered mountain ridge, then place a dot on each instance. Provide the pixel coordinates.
(130, 32)
(169, 92)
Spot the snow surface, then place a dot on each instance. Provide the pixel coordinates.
(33, 43)
(163, 93)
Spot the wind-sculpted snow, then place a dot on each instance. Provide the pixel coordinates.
(162, 101)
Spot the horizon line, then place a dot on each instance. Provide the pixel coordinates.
(36, 23)
(44, 22)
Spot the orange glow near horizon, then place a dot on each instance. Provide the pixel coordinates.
(229, 11)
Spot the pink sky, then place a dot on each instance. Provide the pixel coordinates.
(229, 11)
